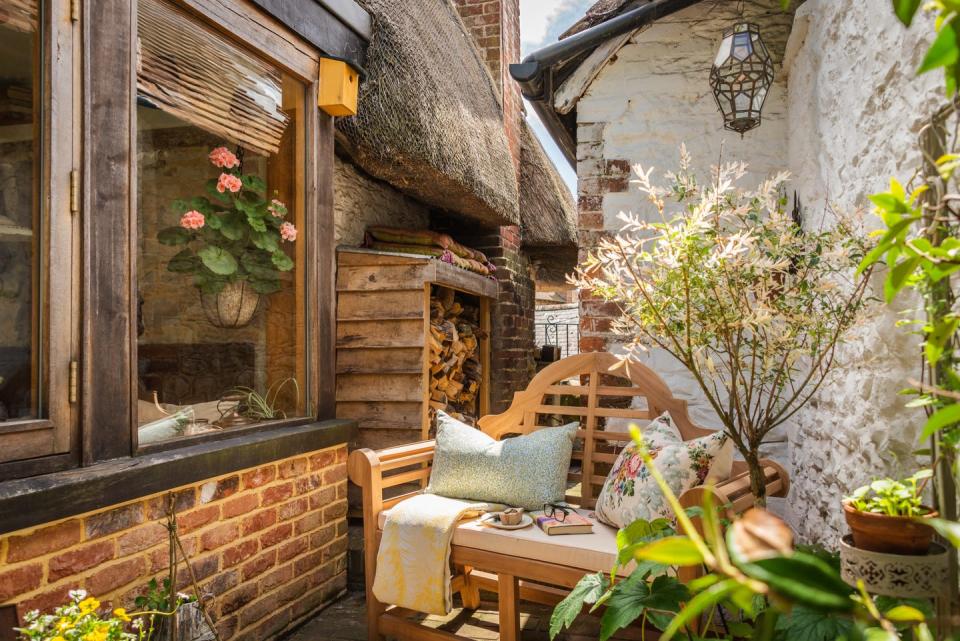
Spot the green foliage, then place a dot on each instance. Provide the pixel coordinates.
(724, 280)
(781, 594)
(264, 407)
(944, 51)
(892, 498)
(238, 238)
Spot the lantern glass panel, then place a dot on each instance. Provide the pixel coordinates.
(724, 52)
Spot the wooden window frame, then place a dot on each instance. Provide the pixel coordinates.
(106, 282)
(51, 443)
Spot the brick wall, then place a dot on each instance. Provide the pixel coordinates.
(512, 317)
(495, 27)
(596, 177)
(268, 544)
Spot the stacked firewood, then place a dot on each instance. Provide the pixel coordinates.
(455, 370)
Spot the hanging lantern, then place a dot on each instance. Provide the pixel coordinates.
(741, 77)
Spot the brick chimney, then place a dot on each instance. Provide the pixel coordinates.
(495, 27)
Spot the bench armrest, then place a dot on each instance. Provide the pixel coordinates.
(735, 491)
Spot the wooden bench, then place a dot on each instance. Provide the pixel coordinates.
(605, 390)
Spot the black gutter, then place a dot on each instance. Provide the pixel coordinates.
(535, 73)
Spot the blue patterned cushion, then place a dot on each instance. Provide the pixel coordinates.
(631, 493)
(524, 471)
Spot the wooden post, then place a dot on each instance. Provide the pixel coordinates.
(508, 596)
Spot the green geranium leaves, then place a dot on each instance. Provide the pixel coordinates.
(218, 260)
(235, 236)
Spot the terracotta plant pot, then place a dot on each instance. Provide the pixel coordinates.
(233, 307)
(889, 534)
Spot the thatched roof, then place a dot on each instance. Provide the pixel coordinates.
(548, 215)
(429, 121)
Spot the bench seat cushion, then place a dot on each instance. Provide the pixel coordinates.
(595, 552)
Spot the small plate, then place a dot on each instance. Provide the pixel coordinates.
(490, 518)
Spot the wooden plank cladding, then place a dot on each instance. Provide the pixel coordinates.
(383, 355)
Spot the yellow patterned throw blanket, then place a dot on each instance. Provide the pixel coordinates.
(413, 562)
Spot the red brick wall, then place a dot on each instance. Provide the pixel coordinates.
(495, 27)
(512, 316)
(269, 544)
(596, 176)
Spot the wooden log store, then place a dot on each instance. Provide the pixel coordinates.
(412, 338)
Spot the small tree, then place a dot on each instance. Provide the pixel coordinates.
(731, 286)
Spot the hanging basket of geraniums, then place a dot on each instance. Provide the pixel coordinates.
(232, 243)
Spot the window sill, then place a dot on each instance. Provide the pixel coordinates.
(41, 499)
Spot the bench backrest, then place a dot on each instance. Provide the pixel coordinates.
(605, 393)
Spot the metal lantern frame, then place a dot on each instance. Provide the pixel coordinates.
(741, 77)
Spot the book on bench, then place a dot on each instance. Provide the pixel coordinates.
(572, 524)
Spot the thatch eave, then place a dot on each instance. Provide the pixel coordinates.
(429, 121)
(548, 214)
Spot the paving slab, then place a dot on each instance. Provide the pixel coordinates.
(345, 620)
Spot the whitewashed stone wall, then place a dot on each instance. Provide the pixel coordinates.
(855, 107)
(654, 96)
(842, 117)
(360, 201)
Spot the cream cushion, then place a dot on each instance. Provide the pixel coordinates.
(595, 552)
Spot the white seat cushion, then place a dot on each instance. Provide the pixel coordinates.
(595, 552)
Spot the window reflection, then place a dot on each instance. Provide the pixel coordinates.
(221, 308)
(21, 343)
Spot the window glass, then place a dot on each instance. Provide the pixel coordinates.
(221, 332)
(21, 241)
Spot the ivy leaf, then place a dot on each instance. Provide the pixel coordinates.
(804, 624)
(943, 417)
(218, 260)
(587, 591)
(906, 10)
(174, 236)
(281, 261)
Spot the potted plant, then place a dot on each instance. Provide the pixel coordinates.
(751, 302)
(885, 516)
(232, 242)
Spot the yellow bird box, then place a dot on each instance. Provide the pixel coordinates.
(338, 87)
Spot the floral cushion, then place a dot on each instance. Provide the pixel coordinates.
(631, 493)
(526, 471)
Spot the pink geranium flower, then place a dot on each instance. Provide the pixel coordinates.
(229, 182)
(224, 158)
(277, 208)
(192, 220)
(288, 232)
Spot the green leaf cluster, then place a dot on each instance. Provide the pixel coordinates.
(891, 497)
(240, 239)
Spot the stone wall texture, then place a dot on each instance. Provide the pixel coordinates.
(268, 544)
(651, 97)
(843, 117)
(855, 107)
(360, 201)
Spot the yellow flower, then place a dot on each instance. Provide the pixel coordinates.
(89, 605)
(58, 638)
(96, 635)
(121, 613)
